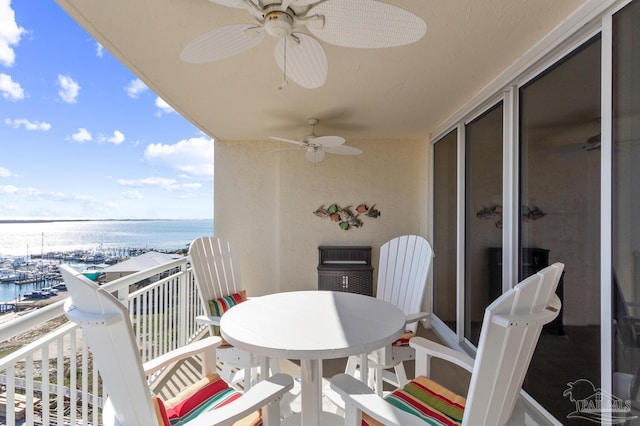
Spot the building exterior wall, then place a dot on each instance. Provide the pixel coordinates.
(264, 204)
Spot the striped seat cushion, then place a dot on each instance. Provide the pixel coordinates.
(222, 304)
(428, 400)
(207, 394)
(404, 339)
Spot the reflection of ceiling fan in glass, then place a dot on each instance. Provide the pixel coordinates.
(315, 146)
(582, 147)
(347, 23)
(592, 144)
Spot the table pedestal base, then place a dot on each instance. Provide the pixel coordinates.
(311, 413)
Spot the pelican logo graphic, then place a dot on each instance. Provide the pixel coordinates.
(596, 405)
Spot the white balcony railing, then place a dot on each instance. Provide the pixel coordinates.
(51, 381)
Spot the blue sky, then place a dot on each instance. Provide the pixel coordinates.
(82, 137)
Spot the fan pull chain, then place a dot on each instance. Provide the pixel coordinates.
(285, 82)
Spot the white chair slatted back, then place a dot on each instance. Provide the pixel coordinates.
(510, 330)
(107, 330)
(403, 269)
(215, 268)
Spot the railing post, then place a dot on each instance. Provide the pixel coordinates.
(183, 305)
(123, 295)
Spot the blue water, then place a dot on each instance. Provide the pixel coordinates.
(26, 239)
(21, 239)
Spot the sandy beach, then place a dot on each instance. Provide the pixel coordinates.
(34, 333)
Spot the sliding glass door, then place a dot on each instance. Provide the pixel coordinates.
(483, 217)
(445, 163)
(560, 218)
(626, 205)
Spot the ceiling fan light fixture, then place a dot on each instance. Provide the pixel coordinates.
(315, 156)
(278, 24)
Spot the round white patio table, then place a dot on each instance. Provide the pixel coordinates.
(311, 326)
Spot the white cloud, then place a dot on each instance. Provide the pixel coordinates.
(163, 183)
(38, 194)
(133, 195)
(10, 33)
(187, 187)
(9, 189)
(117, 138)
(47, 198)
(28, 192)
(193, 157)
(29, 125)
(82, 135)
(99, 50)
(4, 172)
(69, 89)
(136, 87)
(163, 107)
(78, 197)
(9, 88)
(9, 208)
(152, 181)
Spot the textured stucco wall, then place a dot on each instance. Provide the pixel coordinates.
(264, 204)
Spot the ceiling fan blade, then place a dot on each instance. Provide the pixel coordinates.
(303, 2)
(222, 42)
(366, 24)
(315, 156)
(287, 149)
(345, 150)
(306, 62)
(328, 141)
(286, 140)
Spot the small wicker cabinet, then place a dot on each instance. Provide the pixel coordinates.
(345, 268)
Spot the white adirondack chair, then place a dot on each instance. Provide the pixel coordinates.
(403, 269)
(107, 330)
(217, 274)
(510, 332)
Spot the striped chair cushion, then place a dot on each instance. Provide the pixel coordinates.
(404, 339)
(222, 304)
(207, 394)
(428, 400)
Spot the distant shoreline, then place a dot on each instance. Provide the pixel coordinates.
(86, 220)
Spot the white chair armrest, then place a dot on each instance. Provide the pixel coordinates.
(427, 348)
(418, 316)
(208, 344)
(360, 397)
(260, 395)
(207, 320)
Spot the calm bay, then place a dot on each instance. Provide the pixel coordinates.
(27, 239)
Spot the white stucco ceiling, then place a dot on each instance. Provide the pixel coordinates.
(391, 93)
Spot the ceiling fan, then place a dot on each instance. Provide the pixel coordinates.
(301, 57)
(315, 146)
(592, 144)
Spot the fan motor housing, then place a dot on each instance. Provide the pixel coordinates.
(278, 24)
